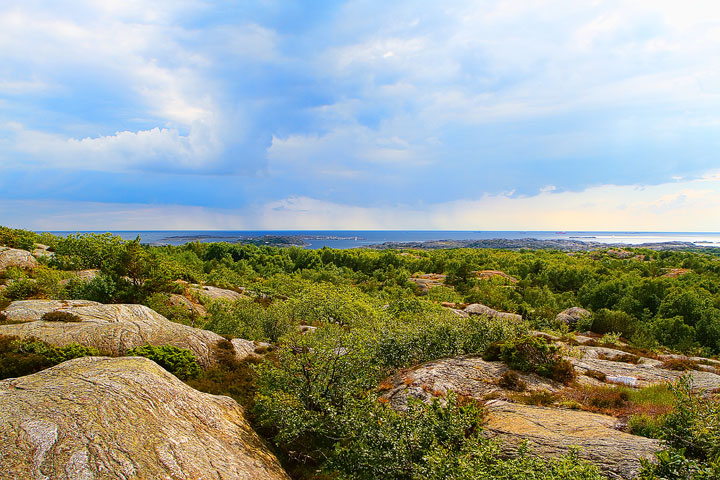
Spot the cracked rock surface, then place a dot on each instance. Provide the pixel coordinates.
(552, 432)
(122, 418)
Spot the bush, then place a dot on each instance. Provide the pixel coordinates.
(178, 361)
(17, 238)
(645, 426)
(250, 320)
(691, 432)
(102, 288)
(532, 354)
(20, 357)
(60, 316)
(21, 289)
(608, 321)
(510, 380)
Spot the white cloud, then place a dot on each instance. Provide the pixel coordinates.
(154, 148)
(692, 205)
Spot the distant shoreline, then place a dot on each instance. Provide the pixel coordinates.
(383, 239)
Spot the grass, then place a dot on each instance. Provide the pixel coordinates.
(60, 316)
(619, 401)
(621, 357)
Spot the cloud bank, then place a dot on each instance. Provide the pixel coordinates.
(430, 115)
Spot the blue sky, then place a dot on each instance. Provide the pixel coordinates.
(487, 115)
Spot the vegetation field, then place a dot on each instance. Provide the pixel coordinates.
(332, 326)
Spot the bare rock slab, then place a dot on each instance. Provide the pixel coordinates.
(121, 418)
(14, 257)
(553, 432)
(109, 328)
(467, 375)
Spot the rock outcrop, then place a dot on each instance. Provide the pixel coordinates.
(210, 293)
(552, 432)
(183, 302)
(468, 375)
(120, 418)
(110, 328)
(571, 316)
(14, 257)
(480, 309)
(647, 372)
(246, 348)
(426, 281)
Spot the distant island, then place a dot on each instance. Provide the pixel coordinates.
(533, 244)
(272, 240)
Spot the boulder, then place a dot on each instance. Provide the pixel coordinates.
(246, 348)
(82, 275)
(480, 309)
(553, 432)
(210, 293)
(13, 257)
(109, 328)
(467, 375)
(648, 372)
(42, 251)
(426, 281)
(120, 418)
(572, 315)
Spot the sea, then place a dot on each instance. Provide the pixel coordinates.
(361, 238)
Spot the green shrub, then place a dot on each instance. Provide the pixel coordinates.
(691, 432)
(178, 361)
(250, 320)
(17, 238)
(510, 380)
(20, 357)
(60, 316)
(609, 321)
(160, 302)
(22, 289)
(103, 288)
(645, 425)
(532, 354)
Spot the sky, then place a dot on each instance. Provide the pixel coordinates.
(462, 115)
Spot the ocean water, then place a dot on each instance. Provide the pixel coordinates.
(360, 238)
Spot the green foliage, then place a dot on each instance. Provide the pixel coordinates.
(21, 289)
(379, 442)
(645, 425)
(609, 321)
(325, 303)
(485, 460)
(103, 288)
(17, 238)
(532, 354)
(692, 433)
(178, 361)
(674, 333)
(248, 319)
(20, 357)
(91, 250)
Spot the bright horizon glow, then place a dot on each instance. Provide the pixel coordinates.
(494, 115)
